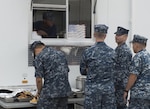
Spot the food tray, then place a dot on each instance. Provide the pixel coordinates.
(8, 100)
(12, 100)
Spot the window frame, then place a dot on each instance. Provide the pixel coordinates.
(61, 41)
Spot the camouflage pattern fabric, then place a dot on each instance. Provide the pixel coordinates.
(141, 67)
(97, 62)
(52, 66)
(52, 103)
(123, 59)
(139, 104)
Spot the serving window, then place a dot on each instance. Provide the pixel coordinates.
(71, 17)
(59, 19)
(58, 9)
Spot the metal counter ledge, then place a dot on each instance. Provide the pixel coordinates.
(27, 104)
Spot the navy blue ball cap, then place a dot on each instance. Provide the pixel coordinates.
(121, 31)
(48, 16)
(101, 28)
(34, 44)
(139, 39)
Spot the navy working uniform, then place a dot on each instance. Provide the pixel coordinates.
(123, 59)
(51, 65)
(97, 63)
(140, 66)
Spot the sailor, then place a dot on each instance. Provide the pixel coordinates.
(139, 79)
(97, 62)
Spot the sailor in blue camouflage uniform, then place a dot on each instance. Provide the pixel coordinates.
(139, 79)
(97, 62)
(51, 65)
(123, 60)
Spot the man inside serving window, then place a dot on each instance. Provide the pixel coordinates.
(46, 28)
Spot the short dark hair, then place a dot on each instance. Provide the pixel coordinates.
(100, 34)
(36, 44)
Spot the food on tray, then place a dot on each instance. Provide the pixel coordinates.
(34, 100)
(24, 95)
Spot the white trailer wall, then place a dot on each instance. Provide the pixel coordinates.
(15, 28)
(113, 13)
(141, 19)
(131, 14)
(14, 23)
